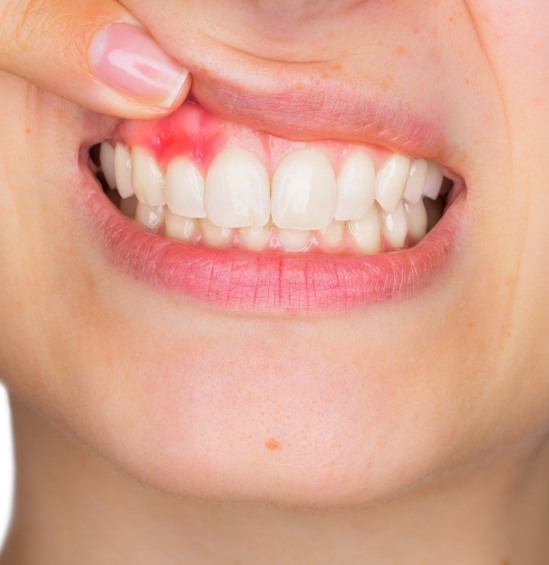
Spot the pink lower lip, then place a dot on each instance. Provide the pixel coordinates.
(239, 280)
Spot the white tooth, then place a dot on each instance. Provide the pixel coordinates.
(294, 240)
(416, 220)
(394, 227)
(152, 217)
(332, 235)
(180, 227)
(123, 170)
(185, 188)
(213, 235)
(106, 158)
(367, 232)
(304, 191)
(147, 178)
(237, 190)
(355, 187)
(256, 237)
(128, 206)
(433, 182)
(416, 181)
(391, 180)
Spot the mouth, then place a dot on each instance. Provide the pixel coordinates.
(244, 220)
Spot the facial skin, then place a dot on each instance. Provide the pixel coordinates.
(317, 411)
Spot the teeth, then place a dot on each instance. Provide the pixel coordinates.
(355, 187)
(433, 182)
(237, 190)
(366, 232)
(152, 217)
(147, 178)
(123, 171)
(306, 198)
(416, 181)
(213, 235)
(294, 240)
(333, 234)
(256, 237)
(394, 227)
(416, 220)
(106, 158)
(180, 227)
(390, 182)
(185, 189)
(304, 191)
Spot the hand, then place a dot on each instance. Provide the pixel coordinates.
(92, 52)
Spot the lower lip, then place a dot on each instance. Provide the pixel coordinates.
(238, 280)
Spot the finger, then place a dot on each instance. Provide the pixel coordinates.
(92, 52)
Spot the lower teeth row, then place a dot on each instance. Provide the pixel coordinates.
(378, 232)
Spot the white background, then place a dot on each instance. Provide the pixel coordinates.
(6, 465)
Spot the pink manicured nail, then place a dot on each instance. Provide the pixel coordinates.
(127, 58)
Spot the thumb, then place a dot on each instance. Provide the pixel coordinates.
(92, 52)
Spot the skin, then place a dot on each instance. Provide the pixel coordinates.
(401, 433)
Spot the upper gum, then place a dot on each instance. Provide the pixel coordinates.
(195, 133)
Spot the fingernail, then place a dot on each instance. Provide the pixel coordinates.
(128, 59)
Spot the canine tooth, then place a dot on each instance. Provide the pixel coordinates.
(256, 237)
(394, 227)
(147, 178)
(123, 170)
(294, 240)
(390, 182)
(416, 181)
(355, 187)
(213, 235)
(237, 190)
(106, 158)
(367, 232)
(433, 182)
(304, 191)
(185, 189)
(332, 235)
(152, 217)
(416, 220)
(180, 227)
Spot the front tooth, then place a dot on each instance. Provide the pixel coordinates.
(367, 232)
(185, 189)
(106, 158)
(416, 181)
(391, 181)
(237, 190)
(180, 227)
(123, 170)
(433, 182)
(304, 191)
(394, 227)
(213, 235)
(294, 240)
(355, 187)
(416, 219)
(147, 178)
(152, 217)
(256, 237)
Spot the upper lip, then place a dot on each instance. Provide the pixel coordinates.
(313, 101)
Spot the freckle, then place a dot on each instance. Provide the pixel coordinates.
(416, 30)
(400, 50)
(272, 444)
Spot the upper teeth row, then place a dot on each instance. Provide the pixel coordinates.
(305, 193)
